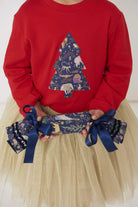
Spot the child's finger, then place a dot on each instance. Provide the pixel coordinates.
(40, 134)
(51, 137)
(44, 138)
(84, 132)
(87, 127)
(39, 118)
(97, 114)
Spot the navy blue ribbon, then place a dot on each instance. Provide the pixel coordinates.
(97, 127)
(45, 129)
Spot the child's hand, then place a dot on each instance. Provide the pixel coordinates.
(96, 114)
(40, 114)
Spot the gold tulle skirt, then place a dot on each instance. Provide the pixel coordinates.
(68, 173)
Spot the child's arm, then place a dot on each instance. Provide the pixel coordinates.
(118, 67)
(17, 66)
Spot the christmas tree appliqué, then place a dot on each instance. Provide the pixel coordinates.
(69, 75)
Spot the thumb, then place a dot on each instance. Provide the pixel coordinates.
(94, 116)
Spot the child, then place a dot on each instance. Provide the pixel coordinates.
(70, 56)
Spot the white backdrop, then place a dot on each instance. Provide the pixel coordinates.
(9, 7)
(129, 7)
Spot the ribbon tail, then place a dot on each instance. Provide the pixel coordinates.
(31, 143)
(93, 136)
(106, 138)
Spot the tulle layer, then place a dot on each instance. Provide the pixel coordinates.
(68, 173)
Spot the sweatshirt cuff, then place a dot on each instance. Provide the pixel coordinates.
(99, 104)
(31, 99)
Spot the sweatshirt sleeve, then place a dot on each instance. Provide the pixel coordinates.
(17, 66)
(118, 68)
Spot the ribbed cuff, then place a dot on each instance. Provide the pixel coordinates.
(98, 104)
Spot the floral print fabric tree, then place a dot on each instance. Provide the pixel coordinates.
(69, 75)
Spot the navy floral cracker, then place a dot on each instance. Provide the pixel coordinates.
(24, 134)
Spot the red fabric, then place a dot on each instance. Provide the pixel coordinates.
(99, 29)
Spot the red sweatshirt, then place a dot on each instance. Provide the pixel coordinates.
(69, 57)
